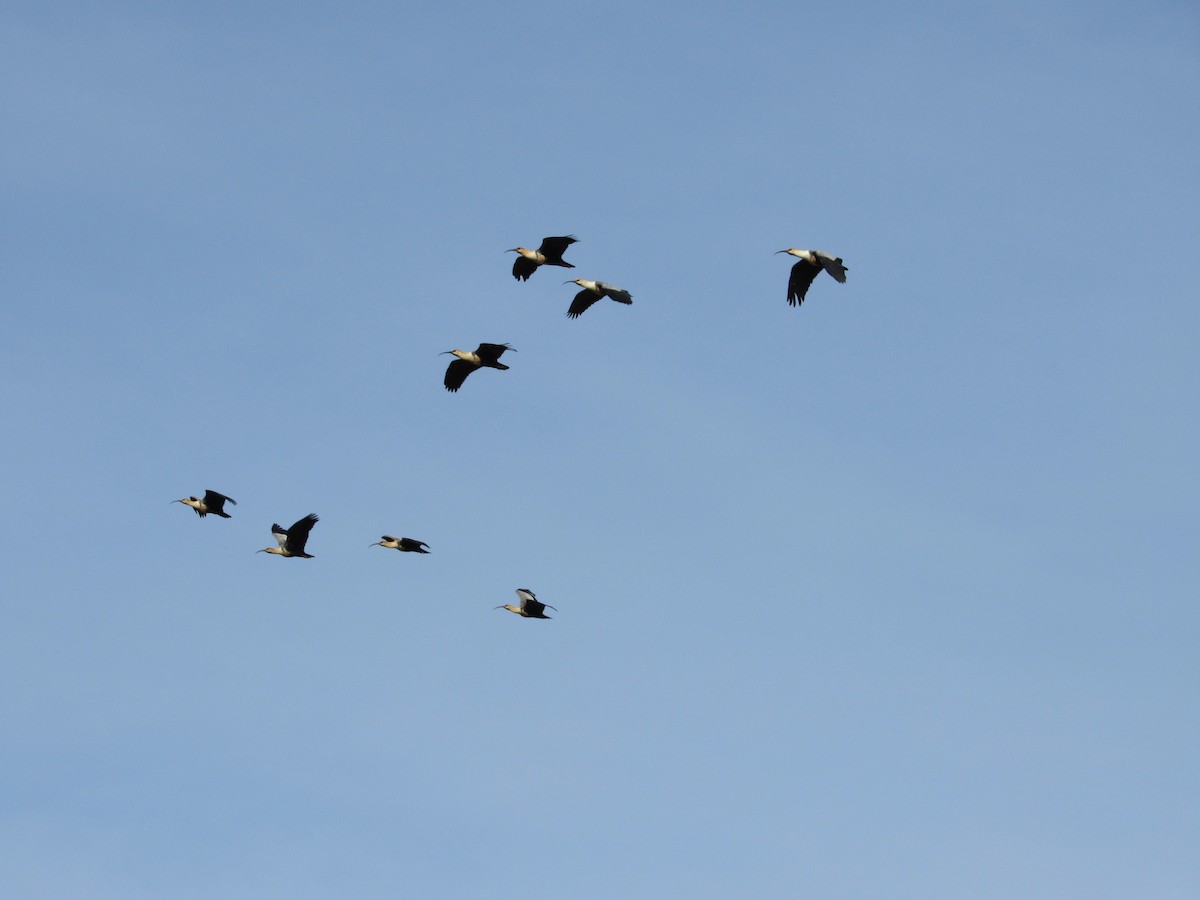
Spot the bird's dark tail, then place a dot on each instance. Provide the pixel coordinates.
(223, 515)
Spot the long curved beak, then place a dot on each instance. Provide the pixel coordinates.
(444, 352)
(511, 250)
(175, 501)
(261, 551)
(498, 607)
(777, 252)
(376, 544)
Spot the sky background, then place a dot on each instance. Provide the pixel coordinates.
(892, 595)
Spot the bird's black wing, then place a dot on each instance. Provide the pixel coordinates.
(583, 300)
(456, 374)
(216, 502)
(413, 545)
(802, 276)
(489, 353)
(834, 266)
(297, 535)
(387, 537)
(616, 293)
(554, 247)
(523, 268)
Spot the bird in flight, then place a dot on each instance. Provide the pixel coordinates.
(211, 503)
(404, 545)
(810, 264)
(530, 607)
(550, 253)
(593, 291)
(292, 540)
(485, 355)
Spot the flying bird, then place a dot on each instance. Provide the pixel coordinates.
(292, 540)
(485, 355)
(803, 272)
(404, 545)
(212, 503)
(530, 607)
(593, 291)
(550, 253)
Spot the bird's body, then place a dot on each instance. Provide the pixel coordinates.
(212, 502)
(530, 607)
(593, 291)
(550, 253)
(484, 356)
(404, 545)
(810, 264)
(292, 540)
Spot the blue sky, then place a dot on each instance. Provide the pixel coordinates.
(890, 595)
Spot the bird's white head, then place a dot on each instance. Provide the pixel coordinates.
(277, 551)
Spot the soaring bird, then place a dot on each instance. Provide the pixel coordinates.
(593, 291)
(803, 272)
(404, 545)
(485, 355)
(212, 503)
(530, 607)
(549, 254)
(292, 540)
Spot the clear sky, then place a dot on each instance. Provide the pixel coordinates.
(892, 595)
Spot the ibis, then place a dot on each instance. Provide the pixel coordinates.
(485, 356)
(292, 540)
(404, 545)
(803, 272)
(530, 607)
(593, 291)
(212, 502)
(550, 253)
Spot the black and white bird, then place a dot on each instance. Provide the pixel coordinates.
(530, 607)
(485, 356)
(292, 540)
(593, 291)
(212, 502)
(550, 253)
(803, 272)
(404, 545)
